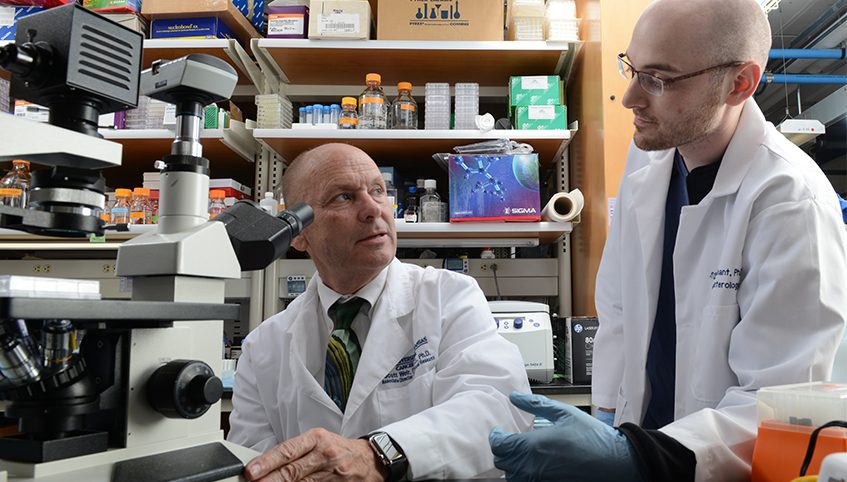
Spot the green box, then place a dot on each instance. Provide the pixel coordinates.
(536, 90)
(540, 117)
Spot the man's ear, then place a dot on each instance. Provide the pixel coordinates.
(300, 243)
(744, 81)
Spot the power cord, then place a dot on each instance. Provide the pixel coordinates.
(496, 284)
(813, 440)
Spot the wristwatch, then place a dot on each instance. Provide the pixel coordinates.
(389, 453)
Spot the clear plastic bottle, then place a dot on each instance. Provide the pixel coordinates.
(349, 118)
(373, 105)
(216, 202)
(120, 211)
(335, 113)
(390, 190)
(430, 203)
(317, 113)
(139, 210)
(14, 187)
(106, 215)
(269, 204)
(404, 109)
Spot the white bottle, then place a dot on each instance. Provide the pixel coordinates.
(269, 204)
(430, 211)
(391, 191)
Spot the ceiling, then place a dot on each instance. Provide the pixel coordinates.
(811, 24)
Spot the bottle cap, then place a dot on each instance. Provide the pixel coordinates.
(309, 107)
(349, 100)
(123, 192)
(217, 193)
(413, 189)
(429, 183)
(388, 177)
(419, 183)
(269, 195)
(404, 86)
(141, 191)
(335, 106)
(21, 161)
(373, 78)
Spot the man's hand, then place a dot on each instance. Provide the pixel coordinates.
(317, 455)
(577, 447)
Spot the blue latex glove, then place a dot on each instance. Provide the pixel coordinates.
(577, 447)
(606, 417)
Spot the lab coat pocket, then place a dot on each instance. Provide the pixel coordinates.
(711, 374)
(402, 402)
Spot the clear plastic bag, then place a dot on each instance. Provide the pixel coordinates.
(496, 146)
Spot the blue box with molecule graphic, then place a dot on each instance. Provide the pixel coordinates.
(494, 187)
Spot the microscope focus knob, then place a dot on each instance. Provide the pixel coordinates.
(183, 389)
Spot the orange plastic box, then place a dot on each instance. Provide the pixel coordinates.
(787, 416)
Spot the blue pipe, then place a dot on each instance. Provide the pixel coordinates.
(807, 54)
(803, 79)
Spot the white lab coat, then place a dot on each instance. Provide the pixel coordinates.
(760, 276)
(434, 373)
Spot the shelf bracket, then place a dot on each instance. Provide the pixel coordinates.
(241, 141)
(274, 76)
(245, 63)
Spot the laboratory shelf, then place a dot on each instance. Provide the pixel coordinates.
(475, 234)
(410, 150)
(230, 152)
(325, 62)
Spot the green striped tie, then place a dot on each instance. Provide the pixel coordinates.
(342, 355)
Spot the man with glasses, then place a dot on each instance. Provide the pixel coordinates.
(724, 269)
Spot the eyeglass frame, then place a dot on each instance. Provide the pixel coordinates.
(665, 82)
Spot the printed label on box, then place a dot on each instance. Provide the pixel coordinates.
(541, 112)
(535, 82)
(338, 23)
(30, 111)
(286, 23)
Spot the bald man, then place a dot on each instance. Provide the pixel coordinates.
(724, 269)
(408, 387)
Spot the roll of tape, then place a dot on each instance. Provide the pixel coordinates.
(484, 122)
(563, 206)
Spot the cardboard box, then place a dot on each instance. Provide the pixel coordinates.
(576, 348)
(225, 10)
(289, 21)
(494, 187)
(345, 19)
(440, 20)
(536, 90)
(113, 6)
(209, 27)
(540, 117)
(132, 21)
(9, 19)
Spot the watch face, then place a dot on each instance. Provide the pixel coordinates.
(383, 441)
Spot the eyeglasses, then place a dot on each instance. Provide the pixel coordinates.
(656, 86)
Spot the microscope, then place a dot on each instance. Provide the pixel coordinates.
(139, 399)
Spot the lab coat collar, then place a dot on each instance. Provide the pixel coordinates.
(391, 318)
(743, 146)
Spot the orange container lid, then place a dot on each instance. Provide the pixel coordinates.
(141, 191)
(123, 192)
(373, 77)
(217, 193)
(404, 86)
(349, 100)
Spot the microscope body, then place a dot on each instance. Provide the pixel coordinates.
(141, 393)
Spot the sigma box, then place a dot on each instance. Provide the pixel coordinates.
(494, 187)
(576, 364)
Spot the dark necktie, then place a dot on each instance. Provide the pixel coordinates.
(342, 355)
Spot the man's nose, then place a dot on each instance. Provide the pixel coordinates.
(369, 207)
(635, 95)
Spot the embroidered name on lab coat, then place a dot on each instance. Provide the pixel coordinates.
(725, 279)
(408, 365)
